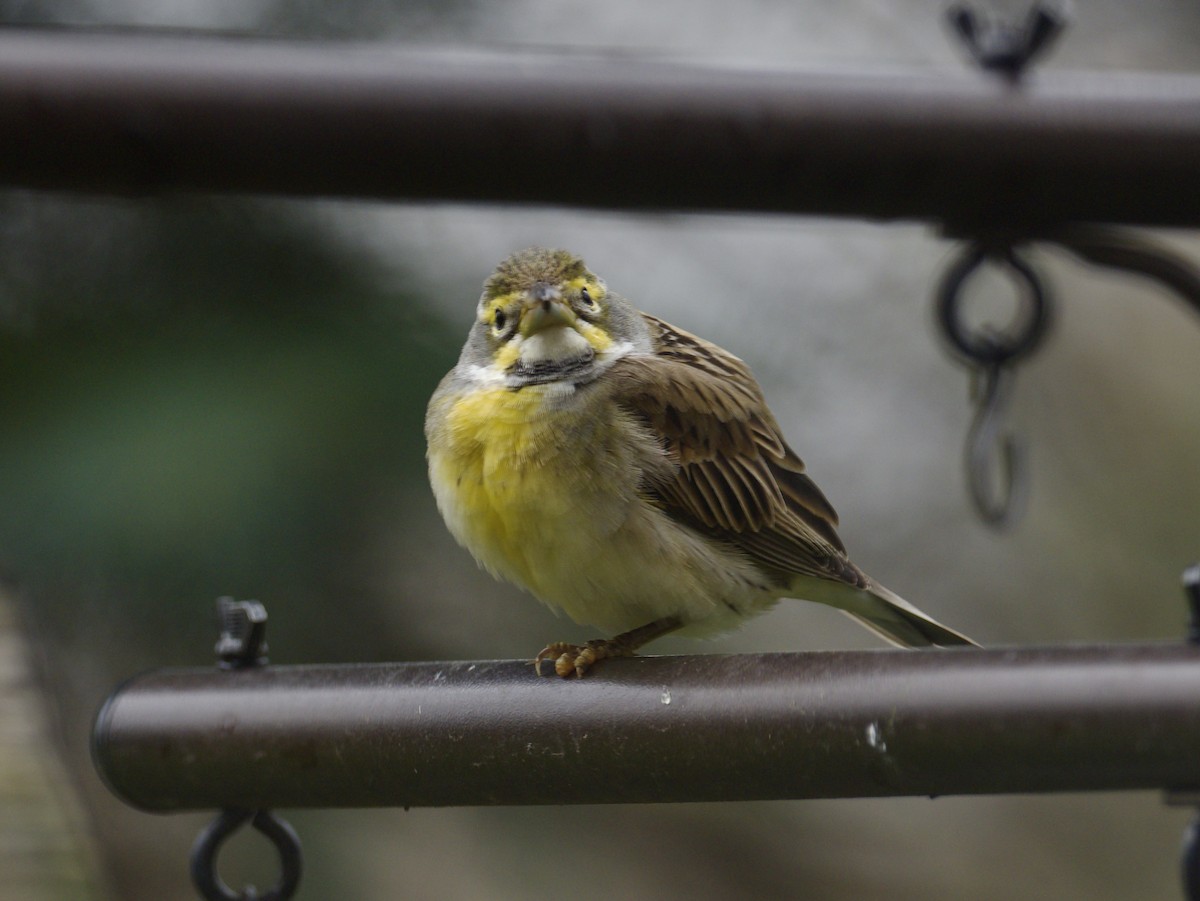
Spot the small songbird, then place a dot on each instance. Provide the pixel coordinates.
(630, 473)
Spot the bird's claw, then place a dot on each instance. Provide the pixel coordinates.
(573, 659)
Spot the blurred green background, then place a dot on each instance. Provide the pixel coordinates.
(207, 396)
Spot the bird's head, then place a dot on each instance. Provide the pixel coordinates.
(544, 317)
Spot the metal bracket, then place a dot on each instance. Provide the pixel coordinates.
(1128, 251)
(995, 461)
(242, 645)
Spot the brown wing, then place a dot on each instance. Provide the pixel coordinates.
(736, 477)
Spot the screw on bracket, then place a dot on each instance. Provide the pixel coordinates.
(243, 641)
(1004, 47)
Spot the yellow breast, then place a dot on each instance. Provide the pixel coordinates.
(529, 481)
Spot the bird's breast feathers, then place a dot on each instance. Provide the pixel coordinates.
(517, 472)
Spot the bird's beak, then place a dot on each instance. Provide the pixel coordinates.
(544, 308)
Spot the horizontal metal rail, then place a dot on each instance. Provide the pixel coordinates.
(143, 114)
(702, 728)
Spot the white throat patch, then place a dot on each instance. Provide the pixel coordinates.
(553, 344)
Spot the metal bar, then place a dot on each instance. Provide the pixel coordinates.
(144, 114)
(704, 728)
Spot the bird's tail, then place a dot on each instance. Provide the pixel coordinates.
(896, 620)
(887, 614)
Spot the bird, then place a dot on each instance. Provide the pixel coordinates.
(630, 474)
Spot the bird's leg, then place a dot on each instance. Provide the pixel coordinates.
(578, 659)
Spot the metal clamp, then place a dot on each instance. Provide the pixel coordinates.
(242, 645)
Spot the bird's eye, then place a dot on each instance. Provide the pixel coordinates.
(586, 297)
(499, 320)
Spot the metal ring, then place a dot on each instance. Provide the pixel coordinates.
(204, 856)
(992, 347)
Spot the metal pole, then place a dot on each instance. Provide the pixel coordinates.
(144, 114)
(704, 728)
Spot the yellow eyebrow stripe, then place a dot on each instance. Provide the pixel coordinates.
(488, 312)
(596, 289)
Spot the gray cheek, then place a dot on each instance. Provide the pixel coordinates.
(478, 349)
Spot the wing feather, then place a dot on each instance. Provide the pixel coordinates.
(734, 475)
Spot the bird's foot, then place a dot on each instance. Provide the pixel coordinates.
(578, 659)
(575, 659)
